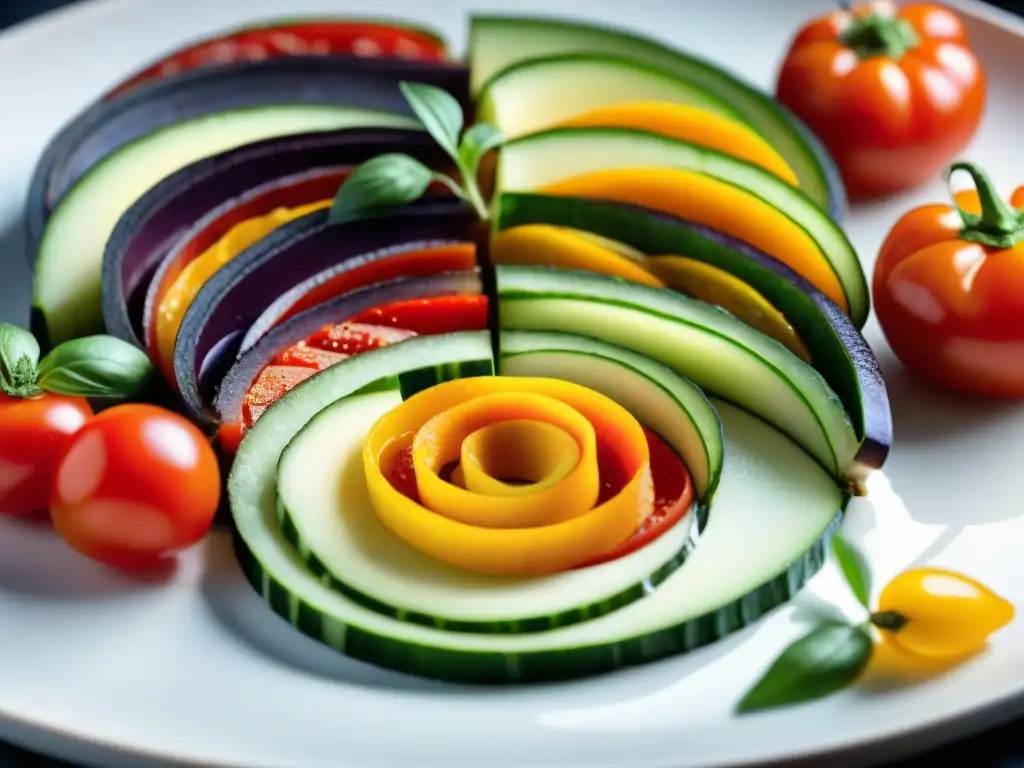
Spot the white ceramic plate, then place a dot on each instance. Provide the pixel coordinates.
(198, 673)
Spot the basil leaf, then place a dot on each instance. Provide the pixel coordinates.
(824, 661)
(383, 182)
(96, 366)
(439, 112)
(854, 568)
(477, 142)
(19, 356)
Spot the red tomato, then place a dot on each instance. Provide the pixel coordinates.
(893, 95)
(355, 337)
(673, 494)
(364, 39)
(948, 289)
(33, 435)
(136, 485)
(441, 314)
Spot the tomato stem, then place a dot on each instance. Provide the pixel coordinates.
(876, 35)
(892, 621)
(999, 225)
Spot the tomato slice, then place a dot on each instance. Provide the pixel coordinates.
(443, 314)
(364, 39)
(673, 494)
(304, 356)
(353, 338)
(428, 261)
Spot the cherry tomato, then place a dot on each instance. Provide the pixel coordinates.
(893, 94)
(364, 39)
(135, 486)
(948, 288)
(33, 435)
(937, 613)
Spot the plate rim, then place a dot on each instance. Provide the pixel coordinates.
(68, 743)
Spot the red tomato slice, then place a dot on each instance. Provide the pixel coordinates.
(673, 495)
(353, 338)
(364, 39)
(428, 261)
(443, 314)
(304, 356)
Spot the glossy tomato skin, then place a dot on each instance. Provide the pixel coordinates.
(890, 123)
(135, 486)
(33, 435)
(953, 310)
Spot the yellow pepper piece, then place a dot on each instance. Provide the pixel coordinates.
(692, 124)
(936, 613)
(716, 286)
(195, 275)
(705, 200)
(512, 551)
(626, 251)
(536, 453)
(440, 441)
(544, 245)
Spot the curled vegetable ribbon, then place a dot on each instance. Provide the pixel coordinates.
(543, 432)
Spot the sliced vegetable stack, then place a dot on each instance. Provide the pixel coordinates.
(506, 369)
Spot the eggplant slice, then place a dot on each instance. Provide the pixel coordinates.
(156, 224)
(218, 318)
(838, 350)
(365, 83)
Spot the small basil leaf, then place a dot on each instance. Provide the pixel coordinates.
(19, 356)
(477, 142)
(439, 112)
(383, 182)
(96, 366)
(854, 568)
(824, 661)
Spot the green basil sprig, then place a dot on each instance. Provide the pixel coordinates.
(100, 367)
(395, 179)
(830, 657)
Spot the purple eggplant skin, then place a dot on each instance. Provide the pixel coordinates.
(148, 231)
(838, 350)
(240, 377)
(225, 308)
(365, 83)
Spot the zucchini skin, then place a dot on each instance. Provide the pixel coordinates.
(472, 667)
(103, 127)
(840, 352)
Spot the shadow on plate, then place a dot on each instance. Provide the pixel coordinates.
(15, 273)
(35, 562)
(239, 610)
(922, 412)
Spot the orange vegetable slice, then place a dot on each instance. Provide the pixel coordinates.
(692, 124)
(445, 523)
(545, 245)
(716, 204)
(186, 287)
(716, 286)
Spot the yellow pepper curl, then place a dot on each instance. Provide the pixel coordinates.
(543, 432)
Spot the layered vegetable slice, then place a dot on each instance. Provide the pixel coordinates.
(237, 294)
(322, 36)
(837, 349)
(318, 337)
(187, 119)
(340, 536)
(720, 587)
(537, 94)
(717, 352)
(705, 186)
(193, 207)
(500, 42)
